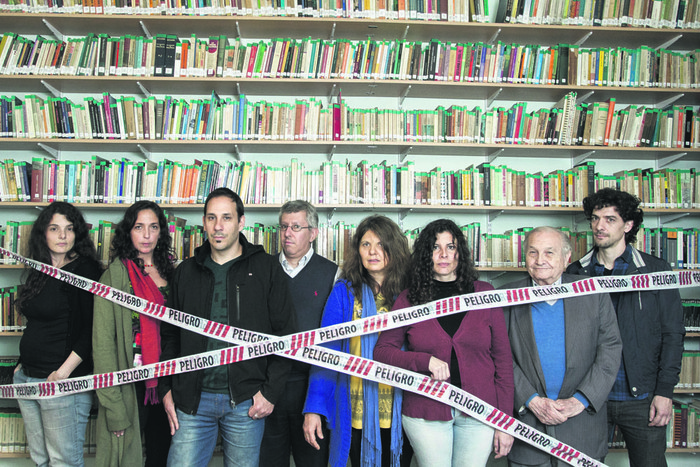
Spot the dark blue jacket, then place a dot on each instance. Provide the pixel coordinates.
(651, 327)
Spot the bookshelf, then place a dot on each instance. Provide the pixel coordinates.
(358, 93)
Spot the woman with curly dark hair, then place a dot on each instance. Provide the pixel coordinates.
(57, 341)
(142, 263)
(363, 416)
(469, 350)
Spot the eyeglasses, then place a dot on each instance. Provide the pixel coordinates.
(295, 227)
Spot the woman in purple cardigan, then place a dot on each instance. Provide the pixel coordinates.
(468, 350)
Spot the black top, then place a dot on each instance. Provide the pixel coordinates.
(59, 321)
(450, 323)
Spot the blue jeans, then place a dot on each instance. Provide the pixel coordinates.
(55, 427)
(646, 445)
(460, 442)
(193, 443)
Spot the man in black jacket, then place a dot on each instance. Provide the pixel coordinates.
(229, 281)
(651, 327)
(311, 279)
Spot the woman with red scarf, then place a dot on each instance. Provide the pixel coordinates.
(142, 265)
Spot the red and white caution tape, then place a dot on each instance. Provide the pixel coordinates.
(256, 345)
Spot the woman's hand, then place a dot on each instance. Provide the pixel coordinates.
(439, 370)
(313, 427)
(118, 434)
(17, 368)
(56, 376)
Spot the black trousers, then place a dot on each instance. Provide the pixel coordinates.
(385, 433)
(155, 429)
(284, 432)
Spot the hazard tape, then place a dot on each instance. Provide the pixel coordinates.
(261, 344)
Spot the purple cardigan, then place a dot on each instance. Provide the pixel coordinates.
(483, 353)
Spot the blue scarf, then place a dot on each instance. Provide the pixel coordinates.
(371, 438)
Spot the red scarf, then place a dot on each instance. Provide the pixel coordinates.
(145, 288)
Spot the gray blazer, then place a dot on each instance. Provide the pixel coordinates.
(593, 352)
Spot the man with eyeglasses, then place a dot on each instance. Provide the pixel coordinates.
(311, 279)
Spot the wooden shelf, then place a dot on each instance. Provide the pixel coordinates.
(344, 148)
(674, 450)
(362, 207)
(687, 391)
(298, 87)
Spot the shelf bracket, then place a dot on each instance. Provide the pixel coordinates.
(494, 155)
(371, 90)
(664, 161)
(329, 216)
(54, 153)
(145, 30)
(584, 97)
(238, 30)
(332, 32)
(579, 218)
(576, 160)
(146, 153)
(329, 156)
(53, 29)
(669, 42)
(494, 214)
(404, 213)
(492, 97)
(405, 153)
(584, 38)
(404, 95)
(663, 220)
(51, 89)
(668, 101)
(330, 94)
(405, 32)
(238, 90)
(495, 36)
(236, 153)
(500, 274)
(143, 89)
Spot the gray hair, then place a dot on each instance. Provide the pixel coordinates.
(565, 242)
(299, 205)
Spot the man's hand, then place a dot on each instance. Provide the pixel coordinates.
(313, 427)
(439, 370)
(502, 442)
(660, 411)
(169, 407)
(546, 411)
(569, 407)
(261, 407)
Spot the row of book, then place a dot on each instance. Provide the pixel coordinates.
(234, 119)
(639, 13)
(678, 246)
(691, 314)
(424, 10)
(123, 181)
(13, 439)
(642, 13)
(10, 319)
(683, 430)
(168, 55)
(690, 370)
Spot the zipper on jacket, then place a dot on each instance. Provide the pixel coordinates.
(238, 303)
